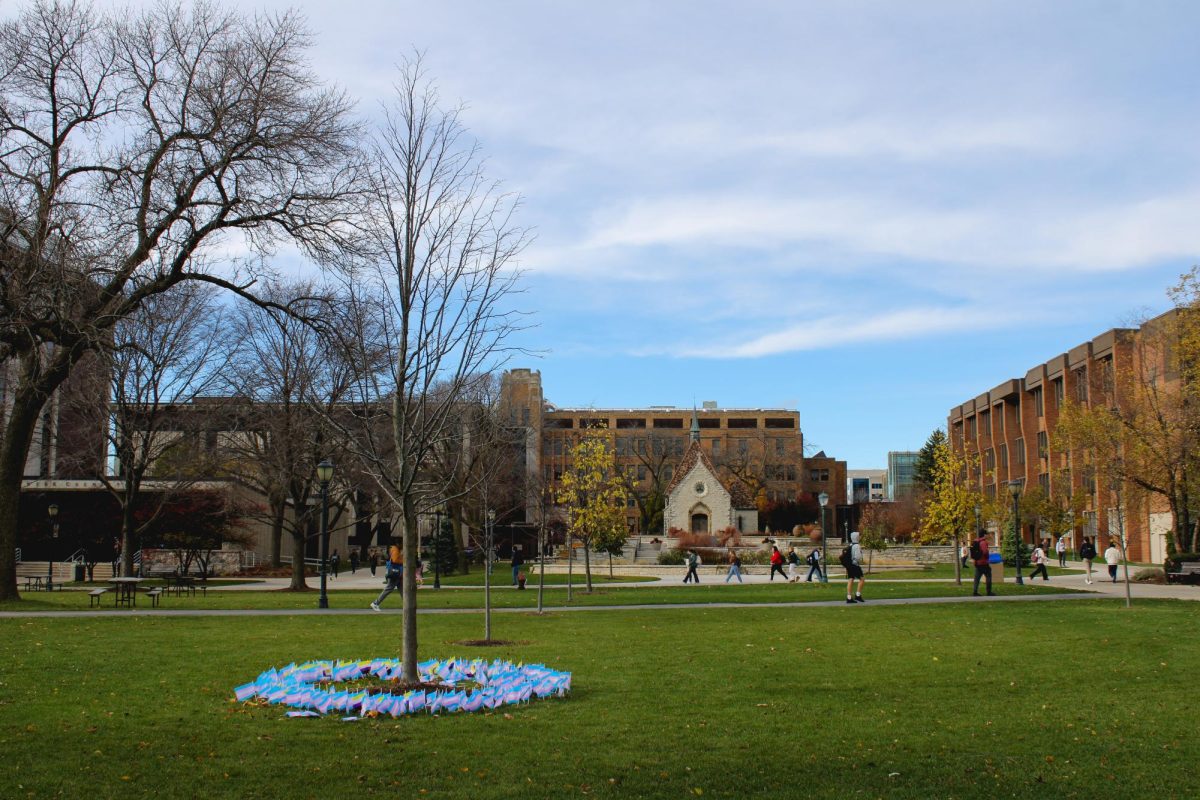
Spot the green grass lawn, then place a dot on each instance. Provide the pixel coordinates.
(1076, 699)
(711, 591)
(947, 571)
(503, 578)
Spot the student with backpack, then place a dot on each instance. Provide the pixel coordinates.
(851, 559)
(1087, 551)
(1039, 561)
(777, 563)
(982, 559)
(394, 575)
(693, 561)
(735, 567)
(793, 562)
(814, 565)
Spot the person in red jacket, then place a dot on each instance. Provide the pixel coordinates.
(982, 559)
(777, 563)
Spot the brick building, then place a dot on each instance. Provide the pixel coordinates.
(1010, 429)
(762, 449)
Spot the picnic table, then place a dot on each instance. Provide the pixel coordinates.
(33, 583)
(125, 591)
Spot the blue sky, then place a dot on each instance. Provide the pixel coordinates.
(869, 211)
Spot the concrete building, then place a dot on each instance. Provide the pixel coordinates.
(1010, 429)
(866, 485)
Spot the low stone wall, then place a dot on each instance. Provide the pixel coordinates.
(223, 562)
(910, 554)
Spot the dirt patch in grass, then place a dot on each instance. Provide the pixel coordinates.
(488, 642)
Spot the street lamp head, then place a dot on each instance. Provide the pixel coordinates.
(52, 510)
(491, 515)
(823, 499)
(978, 509)
(325, 471)
(1014, 488)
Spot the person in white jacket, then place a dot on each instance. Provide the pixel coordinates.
(1112, 557)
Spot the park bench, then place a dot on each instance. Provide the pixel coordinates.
(94, 597)
(1189, 572)
(154, 594)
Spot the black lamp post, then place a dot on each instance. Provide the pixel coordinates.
(823, 499)
(437, 546)
(324, 474)
(1014, 488)
(52, 511)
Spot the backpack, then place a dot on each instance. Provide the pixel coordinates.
(976, 550)
(846, 559)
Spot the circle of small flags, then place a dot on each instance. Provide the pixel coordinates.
(496, 683)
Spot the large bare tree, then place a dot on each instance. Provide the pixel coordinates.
(139, 149)
(441, 273)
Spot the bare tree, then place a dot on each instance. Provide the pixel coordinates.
(170, 351)
(138, 150)
(294, 377)
(441, 270)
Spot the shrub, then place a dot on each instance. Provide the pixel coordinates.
(1150, 575)
(1175, 559)
(673, 557)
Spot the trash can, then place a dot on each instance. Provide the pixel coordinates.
(997, 562)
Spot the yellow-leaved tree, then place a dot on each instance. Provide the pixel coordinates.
(594, 496)
(949, 508)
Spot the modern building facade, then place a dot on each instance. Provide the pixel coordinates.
(901, 474)
(866, 485)
(1009, 430)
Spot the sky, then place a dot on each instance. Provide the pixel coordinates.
(867, 211)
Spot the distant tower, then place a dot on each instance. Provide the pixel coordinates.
(695, 426)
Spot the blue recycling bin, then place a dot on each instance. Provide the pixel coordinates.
(997, 562)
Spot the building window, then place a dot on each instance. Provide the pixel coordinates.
(1081, 387)
(630, 422)
(743, 447)
(791, 472)
(818, 475)
(641, 473)
(972, 429)
(1044, 482)
(1019, 447)
(989, 459)
(716, 447)
(624, 446)
(742, 422)
(1058, 392)
(1017, 412)
(1000, 418)
(1003, 451)
(1106, 375)
(780, 447)
(558, 422)
(1039, 405)
(669, 423)
(593, 422)
(779, 422)
(985, 423)
(1043, 444)
(710, 422)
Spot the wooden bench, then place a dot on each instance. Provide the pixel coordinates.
(94, 597)
(154, 595)
(1189, 572)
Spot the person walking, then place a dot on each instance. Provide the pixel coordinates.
(814, 565)
(735, 567)
(353, 561)
(394, 575)
(1087, 551)
(965, 554)
(692, 561)
(793, 561)
(982, 558)
(1060, 547)
(854, 572)
(1112, 557)
(777, 563)
(1039, 561)
(334, 562)
(517, 561)
(373, 560)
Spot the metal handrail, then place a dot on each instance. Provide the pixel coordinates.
(18, 555)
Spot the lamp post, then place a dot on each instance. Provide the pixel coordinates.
(823, 499)
(324, 474)
(52, 511)
(978, 520)
(1014, 489)
(437, 546)
(489, 527)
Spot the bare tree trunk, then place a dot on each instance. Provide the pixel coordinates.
(14, 448)
(570, 567)
(299, 539)
(957, 560)
(587, 566)
(610, 572)
(408, 652)
(487, 584)
(278, 511)
(127, 538)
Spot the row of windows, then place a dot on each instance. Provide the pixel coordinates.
(664, 423)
